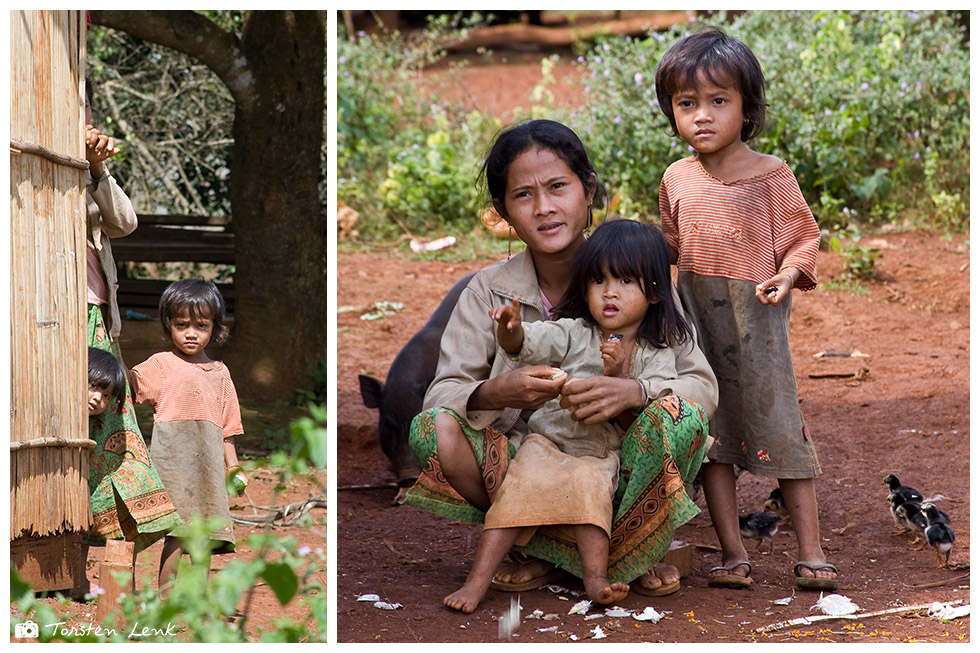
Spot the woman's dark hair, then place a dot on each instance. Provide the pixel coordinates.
(199, 298)
(554, 136)
(628, 249)
(107, 374)
(724, 61)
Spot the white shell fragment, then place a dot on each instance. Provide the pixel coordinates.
(537, 614)
(945, 611)
(597, 633)
(369, 597)
(382, 605)
(549, 629)
(648, 614)
(835, 604)
(582, 607)
(618, 612)
(785, 601)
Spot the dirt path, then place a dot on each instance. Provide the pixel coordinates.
(908, 415)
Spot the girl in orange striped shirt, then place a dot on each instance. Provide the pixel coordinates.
(195, 415)
(742, 237)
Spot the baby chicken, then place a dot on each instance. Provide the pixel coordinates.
(759, 526)
(909, 514)
(905, 493)
(939, 535)
(776, 504)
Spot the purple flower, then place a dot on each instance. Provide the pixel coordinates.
(827, 112)
(864, 86)
(915, 156)
(617, 120)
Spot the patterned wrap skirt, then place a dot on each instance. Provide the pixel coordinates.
(129, 502)
(661, 454)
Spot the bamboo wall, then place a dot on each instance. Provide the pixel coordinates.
(49, 417)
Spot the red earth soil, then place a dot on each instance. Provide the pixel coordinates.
(907, 414)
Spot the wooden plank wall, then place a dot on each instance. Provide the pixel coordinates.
(49, 417)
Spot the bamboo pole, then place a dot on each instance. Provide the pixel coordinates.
(49, 420)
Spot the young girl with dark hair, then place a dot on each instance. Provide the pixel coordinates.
(742, 237)
(196, 415)
(619, 320)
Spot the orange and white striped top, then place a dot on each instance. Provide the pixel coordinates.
(748, 229)
(179, 390)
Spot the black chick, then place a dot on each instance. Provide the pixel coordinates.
(895, 502)
(939, 535)
(910, 515)
(776, 503)
(759, 526)
(905, 493)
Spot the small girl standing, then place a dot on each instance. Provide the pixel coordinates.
(195, 414)
(618, 318)
(742, 237)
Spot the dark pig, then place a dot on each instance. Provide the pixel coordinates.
(399, 398)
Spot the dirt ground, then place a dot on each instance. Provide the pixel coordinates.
(907, 414)
(264, 608)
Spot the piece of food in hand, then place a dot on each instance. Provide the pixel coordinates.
(235, 482)
(759, 526)
(615, 336)
(558, 375)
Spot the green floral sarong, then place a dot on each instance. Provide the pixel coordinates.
(661, 454)
(128, 499)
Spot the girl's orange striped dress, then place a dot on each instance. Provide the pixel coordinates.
(729, 237)
(195, 407)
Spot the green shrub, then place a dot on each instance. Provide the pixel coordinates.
(869, 108)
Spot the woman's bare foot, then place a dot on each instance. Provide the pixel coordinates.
(465, 599)
(603, 592)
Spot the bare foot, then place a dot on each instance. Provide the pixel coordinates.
(662, 575)
(465, 599)
(517, 573)
(603, 592)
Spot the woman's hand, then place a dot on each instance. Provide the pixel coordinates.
(600, 398)
(525, 387)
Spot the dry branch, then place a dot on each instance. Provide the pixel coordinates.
(806, 621)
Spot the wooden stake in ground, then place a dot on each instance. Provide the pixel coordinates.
(118, 558)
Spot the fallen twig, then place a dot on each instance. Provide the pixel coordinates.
(285, 516)
(369, 486)
(806, 621)
(940, 583)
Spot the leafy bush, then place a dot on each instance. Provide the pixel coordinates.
(869, 108)
(404, 159)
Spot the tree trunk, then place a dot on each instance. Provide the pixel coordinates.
(275, 72)
(280, 225)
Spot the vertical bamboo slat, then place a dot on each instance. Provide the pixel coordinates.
(49, 420)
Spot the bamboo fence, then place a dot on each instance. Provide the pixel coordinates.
(49, 447)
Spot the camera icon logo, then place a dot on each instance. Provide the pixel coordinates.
(26, 630)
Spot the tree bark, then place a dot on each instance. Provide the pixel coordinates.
(275, 72)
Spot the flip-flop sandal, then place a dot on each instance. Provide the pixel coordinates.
(663, 590)
(731, 580)
(814, 583)
(550, 577)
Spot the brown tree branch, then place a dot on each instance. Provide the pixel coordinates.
(192, 34)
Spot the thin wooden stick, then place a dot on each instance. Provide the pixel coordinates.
(806, 621)
(27, 147)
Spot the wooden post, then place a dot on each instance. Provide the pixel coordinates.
(118, 557)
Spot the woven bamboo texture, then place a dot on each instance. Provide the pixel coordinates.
(49, 420)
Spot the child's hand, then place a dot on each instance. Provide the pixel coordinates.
(613, 357)
(775, 289)
(507, 317)
(510, 333)
(98, 146)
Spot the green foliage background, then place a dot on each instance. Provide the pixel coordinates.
(869, 108)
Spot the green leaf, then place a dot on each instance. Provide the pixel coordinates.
(282, 579)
